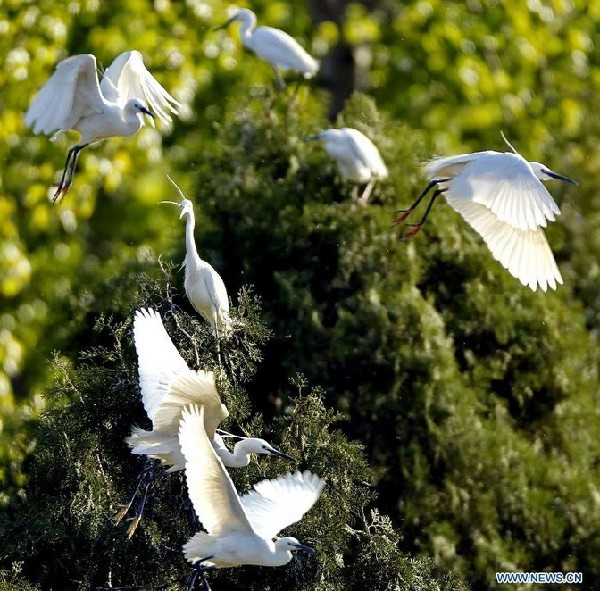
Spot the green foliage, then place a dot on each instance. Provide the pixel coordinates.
(61, 532)
(475, 399)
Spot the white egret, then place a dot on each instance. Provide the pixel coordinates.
(167, 385)
(74, 99)
(273, 46)
(239, 530)
(500, 195)
(204, 287)
(358, 160)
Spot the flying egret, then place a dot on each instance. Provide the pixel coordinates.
(239, 530)
(167, 385)
(500, 195)
(74, 99)
(203, 285)
(358, 160)
(273, 46)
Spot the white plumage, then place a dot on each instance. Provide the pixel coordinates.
(501, 196)
(167, 385)
(274, 46)
(74, 99)
(358, 159)
(240, 529)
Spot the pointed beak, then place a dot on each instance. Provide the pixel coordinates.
(560, 177)
(312, 138)
(224, 25)
(303, 547)
(146, 112)
(280, 454)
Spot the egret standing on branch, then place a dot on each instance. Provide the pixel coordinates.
(74, 99)
(500, 195)
(239, 530)
(203, 285)
(167, 385)
(358, 160)
(273, 46)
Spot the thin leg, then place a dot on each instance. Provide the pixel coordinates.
(125, 508)
(417, 227)
(364, 198)
(406, 212)
(279, 80)
(69, 170)
(199, 570)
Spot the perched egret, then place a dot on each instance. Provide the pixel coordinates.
(500, 195)
(167, 385)
(203, 285)
(358, 160)
(274, 46)
(74, 99)
(239, 530)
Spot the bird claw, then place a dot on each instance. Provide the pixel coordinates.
(133, 526)
(416, 229)
(118, 517)
(405, 214)
(60, 192)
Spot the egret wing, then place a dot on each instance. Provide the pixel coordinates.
(129, 76)
(506, 184)
(448, 167)
(526, 254)
(211, 491)
(191, 387)
(159, 361)
(71, 93)
(274, 504)
(278, 48)
(366, 151)
(217, 291)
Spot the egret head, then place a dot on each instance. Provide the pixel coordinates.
(243, 15)
(290, 544)
(543, 173)
(185, 205)
(254, 445)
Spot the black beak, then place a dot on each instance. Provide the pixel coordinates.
(224, 25)
(146, 112)
(280, 454)
(312, 138)
(303, 547)
(560, 177)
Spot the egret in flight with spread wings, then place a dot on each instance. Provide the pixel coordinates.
(239, 530)
(167, 385)
(204, 287)
(274, 46)
(358, 160)
(500, 195)
(74, 99)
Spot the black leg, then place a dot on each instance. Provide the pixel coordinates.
(406, 212)
(417, 227)
(198, 571)
(69, 170)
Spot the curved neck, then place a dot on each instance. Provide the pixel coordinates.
(247, 27)
(238, 459)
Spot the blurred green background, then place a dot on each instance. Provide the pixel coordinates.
(477, 399)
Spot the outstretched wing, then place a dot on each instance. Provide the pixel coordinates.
(526, 254)
(211, 491)
(275, 504)
(71, 93)
(506, 184)
(129, 76)
(159, 362)
(364, 149)
(166, 382)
